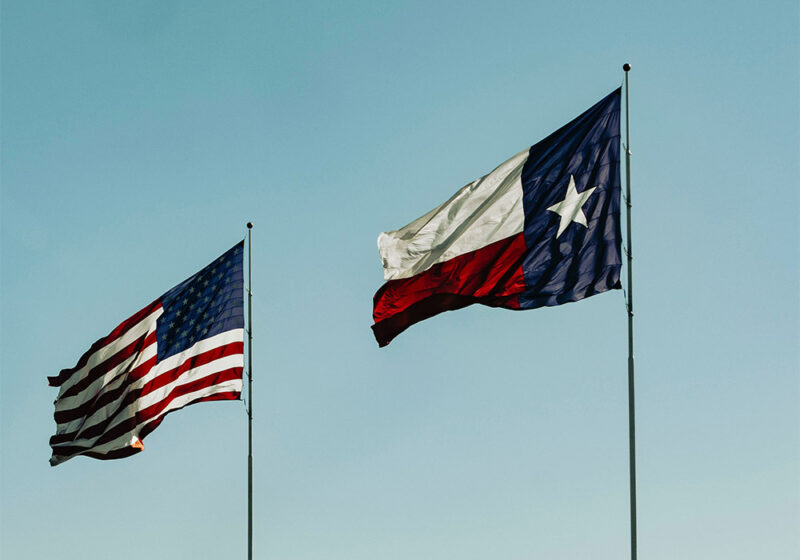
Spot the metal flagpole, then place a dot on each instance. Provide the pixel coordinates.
(249, 392)
(631, 412)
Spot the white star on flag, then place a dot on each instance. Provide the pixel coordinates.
(570, 208)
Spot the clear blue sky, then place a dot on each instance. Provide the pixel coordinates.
(138, 138)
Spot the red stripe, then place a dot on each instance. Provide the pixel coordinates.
(490, 276)
(119, 331)
(156, 409)
(224, 396)
(115, 454)
(103, 396)
(88, 408)
(230, 349)
(151, 413)
(134, 348)
(67, 452)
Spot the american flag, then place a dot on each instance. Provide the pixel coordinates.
(185, 347)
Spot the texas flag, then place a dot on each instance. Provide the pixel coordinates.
(542, 229)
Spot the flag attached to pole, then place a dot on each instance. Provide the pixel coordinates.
(185, 347)
(542, 229)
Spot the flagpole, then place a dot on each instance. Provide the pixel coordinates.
(631, 412)
(249, 392)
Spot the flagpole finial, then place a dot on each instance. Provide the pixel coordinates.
(626, 67)
(249, 225)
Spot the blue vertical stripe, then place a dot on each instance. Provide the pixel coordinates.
(582, 261)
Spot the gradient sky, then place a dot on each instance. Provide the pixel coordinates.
(138, 138)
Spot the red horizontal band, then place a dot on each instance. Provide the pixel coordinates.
(490, 276)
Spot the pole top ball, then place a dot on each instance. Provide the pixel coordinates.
(249, 225)
(626, 67)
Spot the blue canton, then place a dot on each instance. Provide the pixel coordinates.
(208, 303)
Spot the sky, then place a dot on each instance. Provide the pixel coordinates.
(137, 140)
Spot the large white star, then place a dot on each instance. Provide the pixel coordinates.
(570, 208)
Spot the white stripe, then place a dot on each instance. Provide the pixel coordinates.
(190, 376)
(204, 345)
(104, 384)
(102, 354)
(82, 423)
(183, 400)
(221, 364)
(111, 380)
(487, 210)
(171, 363)
(126, 439)
(102, 414)
(163, 393)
